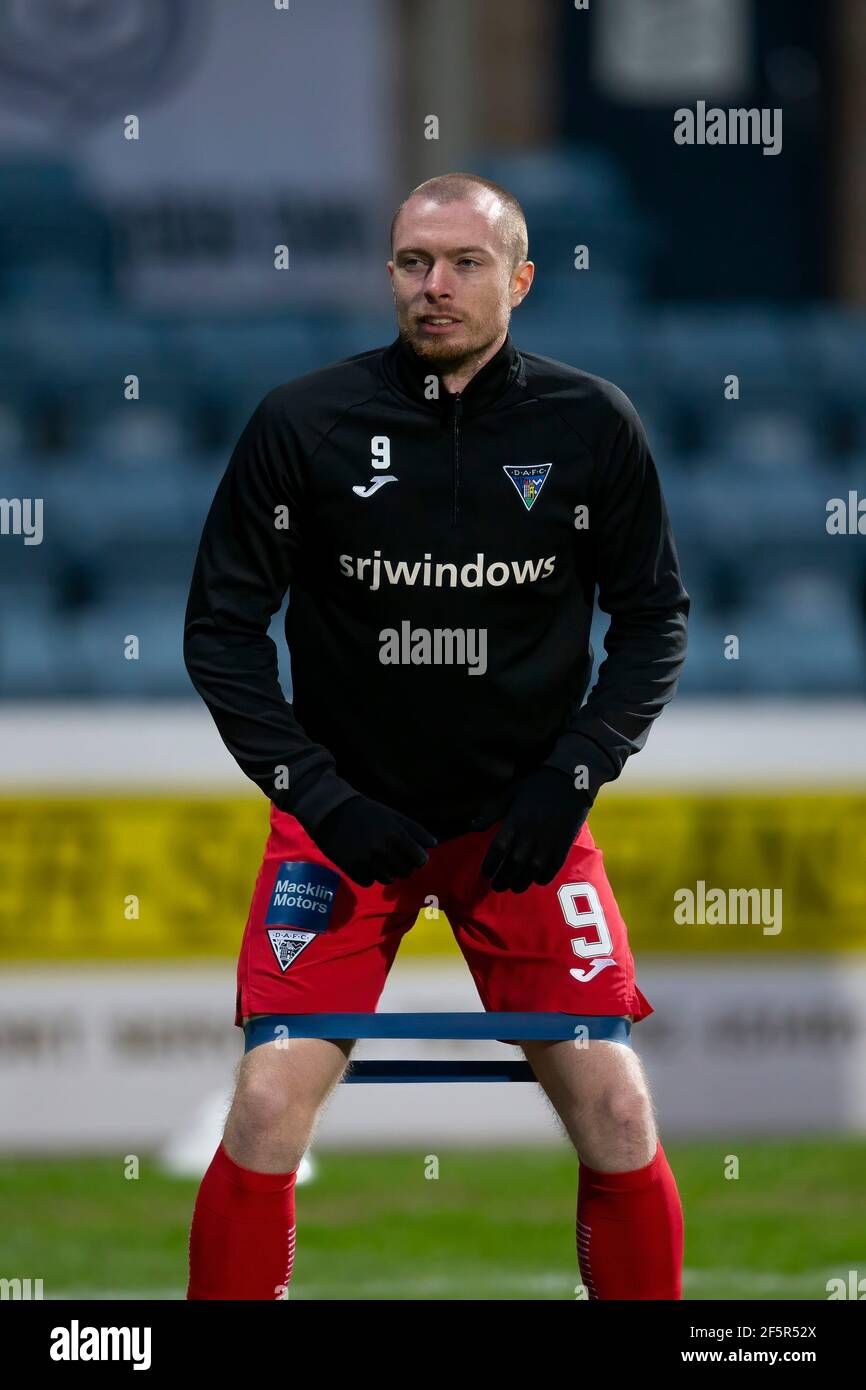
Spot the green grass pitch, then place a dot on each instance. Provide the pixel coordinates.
(493, 1225)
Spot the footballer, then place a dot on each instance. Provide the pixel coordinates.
(442, 510)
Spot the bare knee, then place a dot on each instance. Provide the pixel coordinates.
(624, 1105)
(263, 1107)
(277, 1102)
(616, 1130)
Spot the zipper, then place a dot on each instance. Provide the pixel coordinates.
(458, 406)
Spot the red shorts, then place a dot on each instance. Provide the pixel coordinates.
(316, 942)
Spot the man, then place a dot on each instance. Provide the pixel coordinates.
(446, 479)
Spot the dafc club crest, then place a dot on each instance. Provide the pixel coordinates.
(288, 945)
(529, 479)
(83, 61)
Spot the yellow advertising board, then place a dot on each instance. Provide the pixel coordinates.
(155, 877)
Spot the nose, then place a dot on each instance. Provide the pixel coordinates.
(437, 283)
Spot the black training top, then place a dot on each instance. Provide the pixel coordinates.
(443, 552)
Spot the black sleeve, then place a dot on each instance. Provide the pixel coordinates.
(244, 565)
(635, 566)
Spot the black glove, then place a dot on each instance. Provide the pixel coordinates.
(544, 817)
(371, 843)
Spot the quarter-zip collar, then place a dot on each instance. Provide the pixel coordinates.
(410, 374)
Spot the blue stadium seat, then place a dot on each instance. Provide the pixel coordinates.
(95, 499)
(734, 504)
(829, 344)
(94, 645)
(602, 344)
(707, 670)
(266, 351)
(33, 658)
(693, 349)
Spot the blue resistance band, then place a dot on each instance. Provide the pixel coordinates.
(451, 1026)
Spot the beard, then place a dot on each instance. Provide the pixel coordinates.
(475, 340)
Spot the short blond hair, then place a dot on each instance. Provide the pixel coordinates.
(453, 188)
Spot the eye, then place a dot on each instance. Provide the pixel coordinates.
(468, 260)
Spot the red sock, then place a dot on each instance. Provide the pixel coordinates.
(630, 1232)
(242, 1241)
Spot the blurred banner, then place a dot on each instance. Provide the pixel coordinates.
(222, 172)
(167, 877)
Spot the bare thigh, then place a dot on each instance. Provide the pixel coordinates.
(601, 1094)
(280, 1090)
